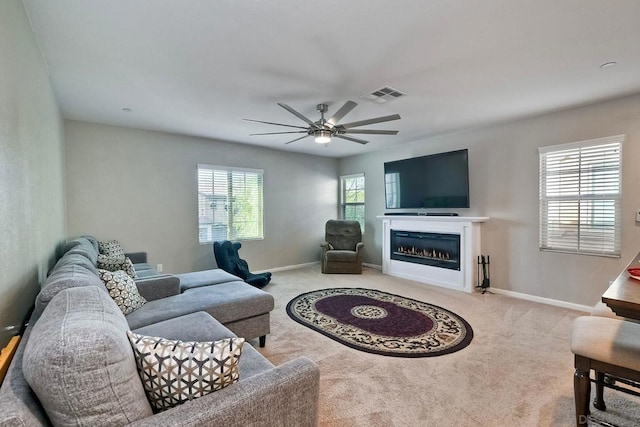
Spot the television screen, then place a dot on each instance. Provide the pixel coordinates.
(435, 181)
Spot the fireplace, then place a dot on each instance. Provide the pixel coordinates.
(433, 249)
(466, 231)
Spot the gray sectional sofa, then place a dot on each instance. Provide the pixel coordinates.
(81, 369)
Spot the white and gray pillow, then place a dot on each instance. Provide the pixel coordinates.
(110, 263)
(123, 290)
(111, 248)
(174, 372)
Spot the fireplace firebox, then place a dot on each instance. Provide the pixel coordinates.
(433, 249)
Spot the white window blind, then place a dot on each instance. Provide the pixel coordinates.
(352, 198)
(230, 204)
(580, 197)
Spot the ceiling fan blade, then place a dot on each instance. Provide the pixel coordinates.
(343, 111)
(370, 121)
(297, 139)
(277, 133)
(371, 131)
(359, 141)
(271, 123)
(298, 115)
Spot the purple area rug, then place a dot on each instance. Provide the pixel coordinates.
(381, 323)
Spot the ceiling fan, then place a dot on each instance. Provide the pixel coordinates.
(325, 129)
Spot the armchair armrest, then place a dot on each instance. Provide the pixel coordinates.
(286, 395)
(137, 257)
(359, 246)
(156, 287)
(325, 246)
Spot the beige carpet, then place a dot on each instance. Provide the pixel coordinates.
(517, 371)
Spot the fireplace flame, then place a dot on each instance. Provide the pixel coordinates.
(424, 253)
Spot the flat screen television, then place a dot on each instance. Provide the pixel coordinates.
(434, 181)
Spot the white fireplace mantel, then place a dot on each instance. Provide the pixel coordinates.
(467, 227)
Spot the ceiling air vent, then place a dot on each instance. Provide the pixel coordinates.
(383, 95)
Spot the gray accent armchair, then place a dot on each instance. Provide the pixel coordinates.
(342, 249)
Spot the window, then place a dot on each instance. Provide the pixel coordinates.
(580, 197)
(352, 198)
(392, 189)
(229, 203)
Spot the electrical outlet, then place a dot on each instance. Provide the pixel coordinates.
(638, 216)
(159, 268)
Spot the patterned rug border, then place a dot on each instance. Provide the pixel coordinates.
(461, 345)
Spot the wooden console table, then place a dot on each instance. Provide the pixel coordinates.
(623, 296)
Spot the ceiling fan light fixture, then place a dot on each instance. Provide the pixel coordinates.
(322, 136)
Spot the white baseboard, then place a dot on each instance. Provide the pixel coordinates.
(512, 294)
(309, 264)
(549, 301)
(289, 267)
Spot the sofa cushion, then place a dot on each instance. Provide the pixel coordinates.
(68, 276)
(79, 362)
(81, 246)
(122, 288)
(143, 274)
(94, 242)
(174, 372)
(198, 279)
(71, 244)
(85, 251)
(227, 302)
(200, 326)
(142, 266)
(74, 258)
(111, 248)
(110, 263)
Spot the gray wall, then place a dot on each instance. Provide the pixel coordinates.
(140, 187)
(504, 186)
(32, 195)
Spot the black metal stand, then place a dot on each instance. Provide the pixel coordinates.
(484, 282)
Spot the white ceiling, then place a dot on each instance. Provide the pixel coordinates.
(198, 67)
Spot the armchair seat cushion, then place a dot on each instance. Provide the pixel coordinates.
(342, 256)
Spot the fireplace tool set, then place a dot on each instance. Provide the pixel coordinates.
(485, 281)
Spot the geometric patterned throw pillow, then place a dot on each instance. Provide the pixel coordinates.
(174, 372)
(111, 263)
(123, 290)
(111, 248)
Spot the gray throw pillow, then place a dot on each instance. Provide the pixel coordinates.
(79, 363)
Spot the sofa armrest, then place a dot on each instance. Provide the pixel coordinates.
(359, 246)
(286, 395)
(156, 287)
(137, 257)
